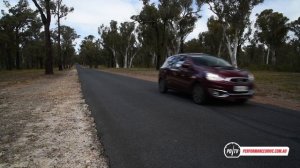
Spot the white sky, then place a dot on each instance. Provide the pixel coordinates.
(90, 14)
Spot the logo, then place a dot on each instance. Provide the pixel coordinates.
(232, 150)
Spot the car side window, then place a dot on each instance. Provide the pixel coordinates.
(179, 62)
(168, 62)
(174, 62)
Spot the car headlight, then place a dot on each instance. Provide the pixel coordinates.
(251, 77)
(213, 77)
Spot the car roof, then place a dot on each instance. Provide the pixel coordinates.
(191, 54)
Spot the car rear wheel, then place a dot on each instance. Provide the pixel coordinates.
(162, 85)
(199, 96)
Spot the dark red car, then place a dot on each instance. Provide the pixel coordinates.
(205, 77)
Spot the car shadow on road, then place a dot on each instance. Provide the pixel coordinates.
(272, 120)
(210, 102)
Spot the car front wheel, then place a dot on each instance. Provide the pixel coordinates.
(199, 96)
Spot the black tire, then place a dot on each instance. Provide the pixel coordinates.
(162, 86)
(198, 94)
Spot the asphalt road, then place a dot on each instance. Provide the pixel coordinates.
(141, 128)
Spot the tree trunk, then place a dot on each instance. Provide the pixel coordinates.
(131, 60)
(116, 59)
(268, 55)
(273, 57)
(158, 56)
(126, 59)
(153, 58)
(219, 50)
(232, 51)
(17, 49)
(9, 64)
(181, 44)
(60, 62)
(48, 47)
(49, 57)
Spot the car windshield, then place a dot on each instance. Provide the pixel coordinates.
(210, 61)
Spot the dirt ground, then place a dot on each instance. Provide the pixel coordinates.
(280, 99)
(44, 122)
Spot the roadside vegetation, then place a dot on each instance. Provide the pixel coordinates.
(278, 84)
(270, 42)
(26, 40)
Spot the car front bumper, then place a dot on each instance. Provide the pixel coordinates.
(223, 94)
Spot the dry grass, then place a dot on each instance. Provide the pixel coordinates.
(278, 84)
(8, 78)
(45, 122)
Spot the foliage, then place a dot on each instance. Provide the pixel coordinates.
(60, 11)
(22, 41)
(271, 30)
(234, 16)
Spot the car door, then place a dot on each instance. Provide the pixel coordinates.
(176, 73)
(173, 73)
(168, 72)
(186, 75)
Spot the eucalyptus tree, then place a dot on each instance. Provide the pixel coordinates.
(89, 51)
(7, 41)
(32, 45)
(170, 22)
(69, 36)
(295, 27)
(60, 11)
(271, 30)
(150, 30)
(20, 17)
(110, 39)
(46, 19)
(129, 43)
(234, 16)
(181, 17)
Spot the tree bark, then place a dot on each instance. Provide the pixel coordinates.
(273, 57)
(115, 57)
(232, 51)
(181, 44)
(158, 56)
(268, 55)
(17, 49)
(60, 62)
(48, 47)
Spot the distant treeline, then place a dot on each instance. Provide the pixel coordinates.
(158, 31)
(25, 44)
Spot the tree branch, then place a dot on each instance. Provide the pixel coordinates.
(44, 19)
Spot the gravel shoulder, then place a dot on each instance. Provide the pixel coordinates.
(45, 123)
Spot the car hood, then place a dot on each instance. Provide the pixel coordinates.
(228, 71)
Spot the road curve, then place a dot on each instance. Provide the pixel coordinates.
(141, 128)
